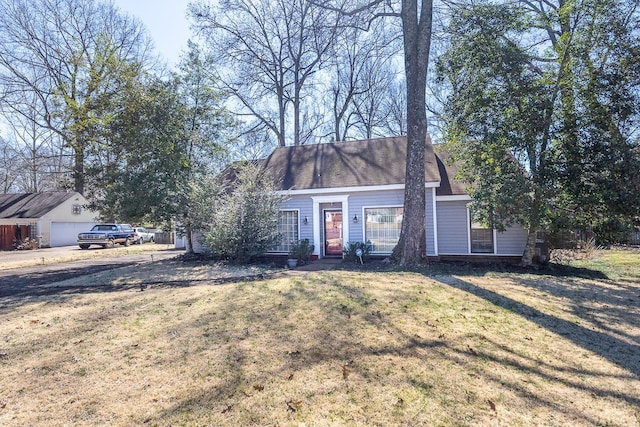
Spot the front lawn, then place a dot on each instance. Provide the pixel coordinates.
(178, 344)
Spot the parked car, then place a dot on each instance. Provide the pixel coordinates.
(142, 235)
(106, 235)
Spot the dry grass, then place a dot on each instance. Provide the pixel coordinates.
(326, 348)
(18, 259)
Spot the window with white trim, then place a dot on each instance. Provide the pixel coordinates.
(76, 209)
(288, 230)
(382, 228)
(481, 238)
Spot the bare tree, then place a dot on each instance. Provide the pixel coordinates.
(41, 160)
(371, 105)
(395, 106)
(9, 166)
(361, 72)
(274, 49)
(69, 54)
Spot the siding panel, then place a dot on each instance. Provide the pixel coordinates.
(512, 241)
(453, 237)
(304, 205)
(431, 249)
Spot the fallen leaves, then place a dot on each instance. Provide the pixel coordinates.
(430, 324)
(492, 405)
(345, 370)
(293, 405)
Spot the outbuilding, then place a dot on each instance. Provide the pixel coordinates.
(52, 218)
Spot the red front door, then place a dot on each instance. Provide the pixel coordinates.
(333, 233)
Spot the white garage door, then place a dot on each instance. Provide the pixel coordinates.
(66, 233)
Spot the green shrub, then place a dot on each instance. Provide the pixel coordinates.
(244, 218)
(302, 251)
(350, 251)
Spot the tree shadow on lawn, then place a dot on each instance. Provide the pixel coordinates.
(343, 348)
(624, 354)
(619, 302)
(611, 306)
(480, 269)
(300, 354)
(23, 288)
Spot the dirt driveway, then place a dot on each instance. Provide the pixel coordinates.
(33, 272)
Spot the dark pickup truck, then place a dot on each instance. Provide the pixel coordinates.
(106, 235)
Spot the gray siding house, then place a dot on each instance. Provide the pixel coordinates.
(354, 192)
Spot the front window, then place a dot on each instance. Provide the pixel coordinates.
(287, 230)
(481, 239)
(76, 209)
(382, 228)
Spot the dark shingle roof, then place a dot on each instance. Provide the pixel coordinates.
(448, 169)
(31, 205)
(368, 162)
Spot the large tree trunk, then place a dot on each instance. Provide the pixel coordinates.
(188, 243)
(411, 247)
(416, 28)
(530, 248)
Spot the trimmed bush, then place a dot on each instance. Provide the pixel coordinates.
(350, 251)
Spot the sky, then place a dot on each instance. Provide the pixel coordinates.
(166, 22)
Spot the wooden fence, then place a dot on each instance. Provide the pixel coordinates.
(10, 234)
(164, 237)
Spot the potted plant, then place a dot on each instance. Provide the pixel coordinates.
(300, 253)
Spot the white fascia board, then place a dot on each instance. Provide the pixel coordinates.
(351, 189)
(455, 198)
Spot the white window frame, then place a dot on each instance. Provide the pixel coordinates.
(364, 223)
(297, 214)
(494, 236)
